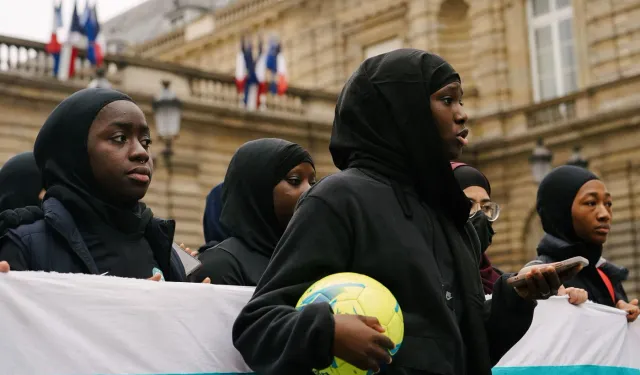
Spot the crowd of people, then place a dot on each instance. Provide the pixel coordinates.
(401, 211)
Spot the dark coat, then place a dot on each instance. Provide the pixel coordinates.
(552, 249)
(353, 237)
(54, 244)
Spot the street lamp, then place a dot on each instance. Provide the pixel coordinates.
(540, 161)
(167, 109)
(576, 158)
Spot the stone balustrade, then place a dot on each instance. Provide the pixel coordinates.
(132, 74)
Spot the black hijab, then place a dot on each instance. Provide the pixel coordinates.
(20, 182)
(61, 153)
(383, 122)
(211, 220)
(556, 194)
(468, 176)
(247, 193)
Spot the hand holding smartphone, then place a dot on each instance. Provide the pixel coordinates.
(565, 270)
(190, 263)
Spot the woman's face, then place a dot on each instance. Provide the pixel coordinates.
(118, 147)
(591, 212)
(446, 107)
(289, 190)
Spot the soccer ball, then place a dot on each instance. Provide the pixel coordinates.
(353, 293)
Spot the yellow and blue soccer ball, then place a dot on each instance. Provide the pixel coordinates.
(353, 293)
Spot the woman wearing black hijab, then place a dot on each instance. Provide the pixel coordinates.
(395, 213)
(20, 182)
(483, 213)
(93, 152)
(575, 210)
(264, 180)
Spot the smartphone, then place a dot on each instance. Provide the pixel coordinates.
(562, 268)
(190, 263)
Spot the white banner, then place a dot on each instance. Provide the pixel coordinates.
(564, 339)
(63, 324)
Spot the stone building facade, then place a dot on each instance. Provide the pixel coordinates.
(213, 124)
(567, 71)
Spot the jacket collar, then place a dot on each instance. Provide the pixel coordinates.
(61, 221)
(159, 233)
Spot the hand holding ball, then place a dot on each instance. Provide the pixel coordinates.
(369, 322)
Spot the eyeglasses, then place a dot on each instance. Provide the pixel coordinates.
(491, 209)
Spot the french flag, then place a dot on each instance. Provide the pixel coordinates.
(53, 47)
(91, 30)
(250, 75)
(69, 53)
(261, 78)
(243, 60)
(277, 67)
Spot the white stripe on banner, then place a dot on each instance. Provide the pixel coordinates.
(66, 324)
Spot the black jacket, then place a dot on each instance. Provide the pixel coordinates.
(395, 213)
(232, 262)
(552, 249)
(54, 244)
(275, 339)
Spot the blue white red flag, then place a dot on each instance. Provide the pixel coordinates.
(75, 40)
(54, 47)
(277, 69)
(250, 74)
(91, 30)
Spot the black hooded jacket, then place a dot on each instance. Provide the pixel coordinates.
(248, 215)
(82, 231)
(555, 197)
(20, 182)
(396, 214)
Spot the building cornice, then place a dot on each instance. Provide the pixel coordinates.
(53, 91)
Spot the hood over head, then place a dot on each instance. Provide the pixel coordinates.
(468, 176)
(20, 182)
(211, 221)
(383, 122)
(62, 156)
(60, 149)
(555, 198)
(556, 194)
(247, 192)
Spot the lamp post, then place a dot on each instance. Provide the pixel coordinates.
(540, 161)
(576, 158)
(167, 109)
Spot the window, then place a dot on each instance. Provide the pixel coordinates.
(382, 47)
(551, 44)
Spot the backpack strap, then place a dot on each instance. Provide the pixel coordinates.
(607, 283)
